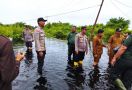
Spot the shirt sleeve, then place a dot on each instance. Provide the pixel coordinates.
(76, 43)
(110, 40)
(37, 42)
(9, 68)
(68, 38)
(87, 40)
(94, 46)
(128, 42)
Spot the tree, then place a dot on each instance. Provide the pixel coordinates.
(118, 23)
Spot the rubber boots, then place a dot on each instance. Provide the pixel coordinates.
(120, 84)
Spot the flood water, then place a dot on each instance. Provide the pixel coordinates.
(57, 75)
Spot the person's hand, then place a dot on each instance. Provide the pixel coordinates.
(40, 53)
(107, 46)
(86, 53)
(20, 56)
(95, 55)
(113, 61)
(76, 52)
(108, 52)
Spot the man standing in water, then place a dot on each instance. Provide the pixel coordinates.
(71, 44)
(98, 47)
(39, 37)
(81, 47)
(28, 38)
(122, 62)
(9, 64)
(114, 42)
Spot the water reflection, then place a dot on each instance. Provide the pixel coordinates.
(56, 77)
(28, 56)
(75, 78)
(94, 77)
(41, 83)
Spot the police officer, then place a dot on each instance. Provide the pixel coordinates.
(81, 47)
(39, 38)
(28, 37)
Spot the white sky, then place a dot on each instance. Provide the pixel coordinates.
(29, 10)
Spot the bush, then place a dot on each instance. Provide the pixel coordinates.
(60, 35)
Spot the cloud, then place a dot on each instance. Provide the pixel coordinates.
(29, 10)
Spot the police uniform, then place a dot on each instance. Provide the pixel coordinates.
(39, 38)
(28, 37)
(81, 46)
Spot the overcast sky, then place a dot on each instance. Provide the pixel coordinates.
(29, 10)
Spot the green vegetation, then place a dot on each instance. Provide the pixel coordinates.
(60, 30)
(13, 30)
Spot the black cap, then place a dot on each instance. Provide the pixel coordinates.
(83, 27)
(118, 30)
(100, 31)
(41, 19)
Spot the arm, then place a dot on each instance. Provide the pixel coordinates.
(36, 39)
(95, 46)
(118, 54)
(87, 43)
(122, 49)
(23, 36)
(68, 38)
(76, 44)
(103, 44)
(32, 36)
(9, 68)
(109, 43)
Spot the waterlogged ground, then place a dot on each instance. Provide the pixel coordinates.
(56, 73)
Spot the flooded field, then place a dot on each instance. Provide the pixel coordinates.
(57, 75)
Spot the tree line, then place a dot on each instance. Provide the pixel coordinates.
(60, 30)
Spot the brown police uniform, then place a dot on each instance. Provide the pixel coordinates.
(39, 38)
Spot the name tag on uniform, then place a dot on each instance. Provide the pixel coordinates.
(81, 39)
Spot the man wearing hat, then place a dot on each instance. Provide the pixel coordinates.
(114, 42)
(81, 47)
(39, 38)
(98, 47)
